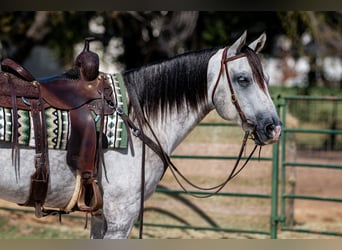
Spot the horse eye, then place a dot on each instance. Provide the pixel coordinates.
(243, 81)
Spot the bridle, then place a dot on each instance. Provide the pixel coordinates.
(245, 123)
(248, 126)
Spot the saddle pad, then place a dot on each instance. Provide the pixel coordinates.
(58, 123)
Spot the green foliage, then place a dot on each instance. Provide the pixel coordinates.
(214, 31)
(14, 24)
(68, 29)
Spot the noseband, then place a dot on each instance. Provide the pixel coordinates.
(247, 125)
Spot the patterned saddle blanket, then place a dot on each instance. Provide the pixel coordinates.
(58, 123)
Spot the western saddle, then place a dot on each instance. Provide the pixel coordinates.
(85, 93)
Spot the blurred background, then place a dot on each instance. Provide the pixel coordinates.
(303, 47)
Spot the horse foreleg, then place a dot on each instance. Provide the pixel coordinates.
(98, 225)
(119, 217)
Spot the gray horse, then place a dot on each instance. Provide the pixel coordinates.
(174, 95)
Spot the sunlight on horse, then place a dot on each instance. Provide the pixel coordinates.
(174, 96)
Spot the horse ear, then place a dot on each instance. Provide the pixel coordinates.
(237, 45)
(259, 43)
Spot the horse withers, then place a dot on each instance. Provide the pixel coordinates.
(174, 96)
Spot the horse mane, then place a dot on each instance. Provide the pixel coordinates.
(170, 85)
(256, 66)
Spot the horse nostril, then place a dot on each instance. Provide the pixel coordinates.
(269, 129)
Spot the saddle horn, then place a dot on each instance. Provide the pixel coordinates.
(88, 62)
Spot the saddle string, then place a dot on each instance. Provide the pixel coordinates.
(15, 148)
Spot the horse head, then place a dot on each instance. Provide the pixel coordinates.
(239, 90)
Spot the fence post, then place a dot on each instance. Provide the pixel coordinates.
(274, 193)
(275, 180)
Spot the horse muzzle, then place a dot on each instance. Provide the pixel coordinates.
(267, 134)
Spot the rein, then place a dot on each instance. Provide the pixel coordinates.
(155, 145)
(218, 187)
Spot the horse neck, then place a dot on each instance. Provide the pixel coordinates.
(173, 95)
(172, 129)
(178, 125)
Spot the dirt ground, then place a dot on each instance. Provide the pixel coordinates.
(251, 213)
(226, 212)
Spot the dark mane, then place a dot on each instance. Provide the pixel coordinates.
(256, 66)
(171, 84)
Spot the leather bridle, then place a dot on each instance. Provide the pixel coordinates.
(248, 126)
(245, 123)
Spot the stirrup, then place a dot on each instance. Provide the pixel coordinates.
(90, 197)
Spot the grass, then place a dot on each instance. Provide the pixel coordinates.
(29, 228)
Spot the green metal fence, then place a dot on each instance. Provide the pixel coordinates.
(279, 195)
(270, 231)
(326, 114)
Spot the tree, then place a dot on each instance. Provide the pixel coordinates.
(153, 35)
(325, 30)
(21, 31)
(146, 36)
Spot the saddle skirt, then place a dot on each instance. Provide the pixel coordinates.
(58, 123)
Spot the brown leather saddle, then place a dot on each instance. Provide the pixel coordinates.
(84, 92)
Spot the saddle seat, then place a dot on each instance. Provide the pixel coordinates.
(82, 94)
(57, 91)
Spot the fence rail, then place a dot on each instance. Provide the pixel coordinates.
(279, 165)
(285, 163)
(268, 231)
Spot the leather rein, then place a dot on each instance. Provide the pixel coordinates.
(249, 128)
